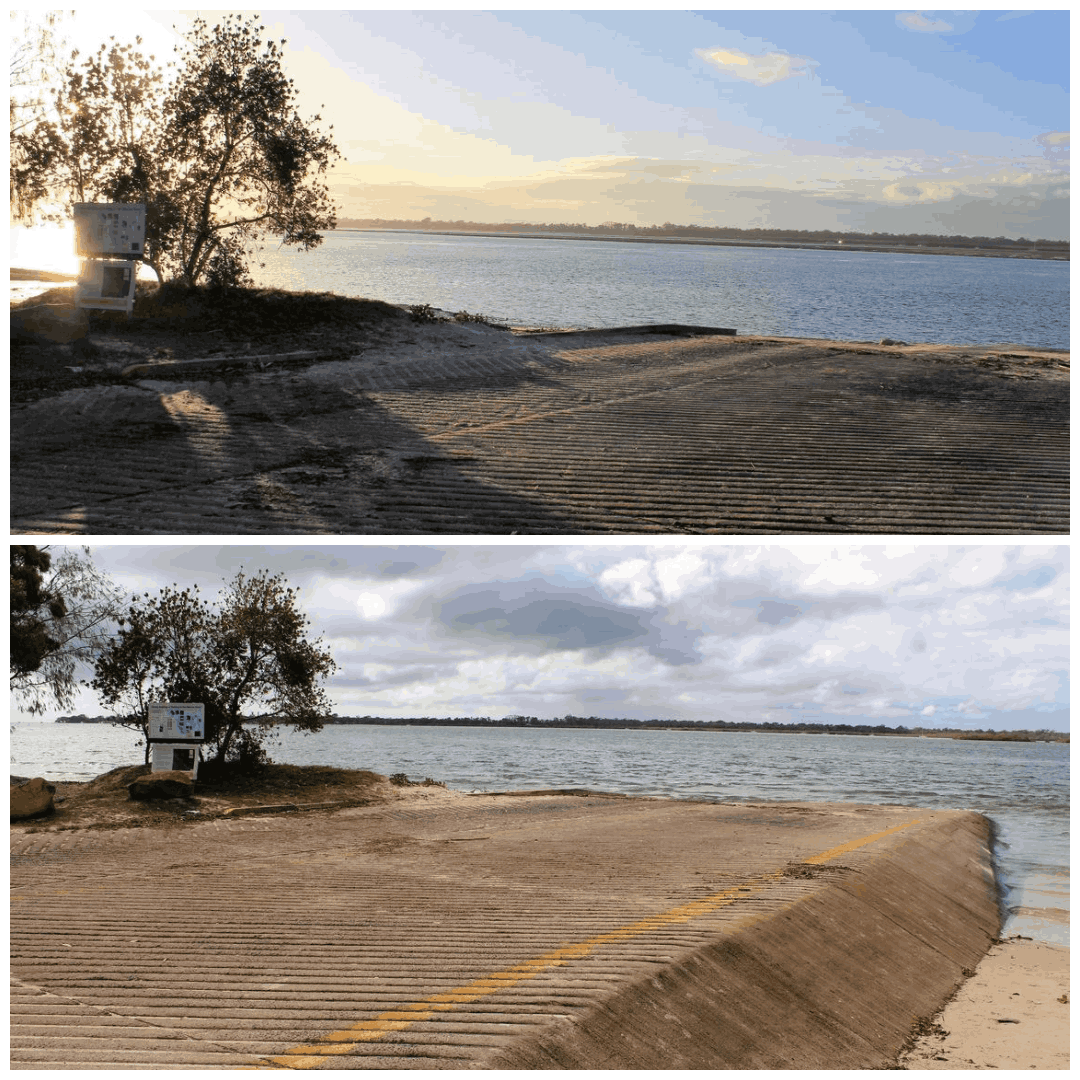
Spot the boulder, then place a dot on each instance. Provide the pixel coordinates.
(59, 324)
(32, 799)
(163, 785)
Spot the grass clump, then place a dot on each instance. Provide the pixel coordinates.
(399, 779)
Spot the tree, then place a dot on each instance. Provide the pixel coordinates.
(215, 150)
(34, 48)
(246, 659)
(60, 618)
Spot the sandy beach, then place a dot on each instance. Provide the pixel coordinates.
(1013, 1013)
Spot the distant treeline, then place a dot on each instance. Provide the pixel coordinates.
(664, 725)
(707, 232)
(703, 725)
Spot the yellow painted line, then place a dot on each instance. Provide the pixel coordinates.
(843, 849)
(311, 1055)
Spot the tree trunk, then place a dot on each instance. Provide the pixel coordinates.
(223, 749)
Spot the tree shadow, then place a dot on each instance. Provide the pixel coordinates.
(258, 456)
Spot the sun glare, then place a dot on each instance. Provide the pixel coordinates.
(45, 247)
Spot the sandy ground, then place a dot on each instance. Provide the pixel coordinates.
(103, 803)
(1013, 1013)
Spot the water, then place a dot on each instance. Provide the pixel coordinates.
(1022, 787)
(851, 295)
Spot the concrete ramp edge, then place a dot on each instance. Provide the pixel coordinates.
(836, 980)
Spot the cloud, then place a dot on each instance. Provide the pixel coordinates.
(1053, 138)
(761, 70)
(951, 635)
(1056, 145)
(536, 614)
(920, 24)
(774, 613)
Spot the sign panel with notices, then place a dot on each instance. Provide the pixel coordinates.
(171, 721)
(104, 229)
(175, 757)
(107, 284)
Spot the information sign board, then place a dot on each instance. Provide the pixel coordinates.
(104, 229)
(108, 284)
(175, 757)
(176, 721)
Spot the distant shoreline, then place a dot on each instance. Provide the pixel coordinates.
(18, 273)
(843, 245)
(576, 724)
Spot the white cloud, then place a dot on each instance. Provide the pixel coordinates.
(761, 70)
(682, 573)
(906, 634)
(370, 605)
(1053, 138)
(366, 599)
(839, 570)
(919, 23)
(977, 566)
(631, 582)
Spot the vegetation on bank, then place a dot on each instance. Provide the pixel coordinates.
(248, 649)
(599, 722)
(213, 315)
(707, 232)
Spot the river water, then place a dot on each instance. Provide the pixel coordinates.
(1022, 787)
(842, 295)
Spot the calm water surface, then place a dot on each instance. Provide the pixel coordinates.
(1022, 787)
(850, 295)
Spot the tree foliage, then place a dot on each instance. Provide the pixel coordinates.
(61, 616)
(246, 658)
(212, 145)
(35, 43)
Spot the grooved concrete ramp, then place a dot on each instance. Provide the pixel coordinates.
(569, 433)
(497, 931)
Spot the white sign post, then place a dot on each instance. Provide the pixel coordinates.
(109, 239)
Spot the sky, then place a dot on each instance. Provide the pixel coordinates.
(887, 121)
(961, 636)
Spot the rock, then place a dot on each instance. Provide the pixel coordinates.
(32, 799)
(163, 785)
(57, 323)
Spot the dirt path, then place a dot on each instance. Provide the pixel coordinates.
(465, 428)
